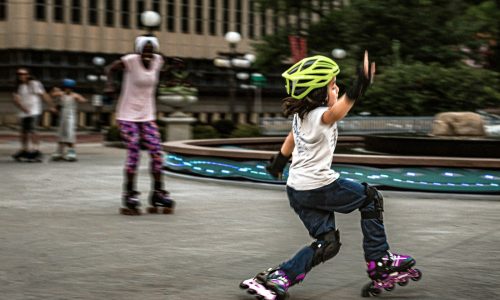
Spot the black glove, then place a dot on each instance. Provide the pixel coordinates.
(362, 81)
(277, 164)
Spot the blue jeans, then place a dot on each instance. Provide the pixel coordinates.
(316, 210)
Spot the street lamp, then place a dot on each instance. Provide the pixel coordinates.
(98, 80)
(150, 19)
(233, 60)
(339, 53)
(232, 38)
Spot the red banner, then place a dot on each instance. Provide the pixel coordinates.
(298, 47)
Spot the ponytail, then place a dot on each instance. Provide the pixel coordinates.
(316, 98)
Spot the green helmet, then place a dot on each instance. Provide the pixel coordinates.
(308, 74)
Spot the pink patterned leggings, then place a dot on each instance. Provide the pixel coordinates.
(133, 133)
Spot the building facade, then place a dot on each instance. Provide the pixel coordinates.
(58, 39)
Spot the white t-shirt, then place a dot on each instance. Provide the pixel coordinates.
(313, 153)
(137, 98)
(30, 94)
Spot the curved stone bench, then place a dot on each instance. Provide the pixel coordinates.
(208, 148)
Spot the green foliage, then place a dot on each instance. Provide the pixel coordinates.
(113, 134)
(246, 130)
(423, 29)
(204, 131)
(224, 127)
(420, 89)
(272, 50)
(163, 133)
(427, 30)
(418, 45)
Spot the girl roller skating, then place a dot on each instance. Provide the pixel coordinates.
(316, 192)
(136, 119)
(68, 101)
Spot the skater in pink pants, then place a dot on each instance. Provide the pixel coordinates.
(136, 116)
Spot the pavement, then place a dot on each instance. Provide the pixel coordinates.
(61, 237)
(50, 136)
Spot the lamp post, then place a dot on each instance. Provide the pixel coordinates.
(98, 81)
(151, 20)
(257, 81)
(231, 61)
(339, 53)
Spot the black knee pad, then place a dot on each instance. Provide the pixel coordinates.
(326, 247)
(373, 195)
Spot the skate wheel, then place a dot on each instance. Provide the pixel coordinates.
(251, 291)
(369, 290)
(130, 212)
(152, 210)
(260, 297)
(417, 275)
(375, 292)
(243, 285)
(390, 288)
(160, 210)
(168, 210)
(403, 283)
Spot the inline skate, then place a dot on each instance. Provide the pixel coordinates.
(389, 270)
(271, 284)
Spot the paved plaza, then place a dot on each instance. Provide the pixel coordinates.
(61, 237)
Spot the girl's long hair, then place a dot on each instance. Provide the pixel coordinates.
(316, 98)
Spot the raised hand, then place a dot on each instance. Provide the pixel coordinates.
(363, 79)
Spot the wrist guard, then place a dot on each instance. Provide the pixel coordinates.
(277, 164)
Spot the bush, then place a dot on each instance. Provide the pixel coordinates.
(427, 89)
(113, 134)
(163, 133)
(246, 130)
(224, 127)
(203, 131)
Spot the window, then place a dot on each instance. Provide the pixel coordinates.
(125, 14)
(251, 19)
(212, 22)
(171, 15)
(225, 16)
(40, 13)
(238, 17)
(199, 16)
(93, 15)
(156, 6)
(263, 23)
(110, 13)
(37, 57)
(185, 16)
(276, 21)
(139, 8)
(3, 9)
(76, 17)
(58, 11)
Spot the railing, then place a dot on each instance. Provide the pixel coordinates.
(358, 125)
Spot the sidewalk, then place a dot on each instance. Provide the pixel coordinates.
(8, 136)
(61, 237)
